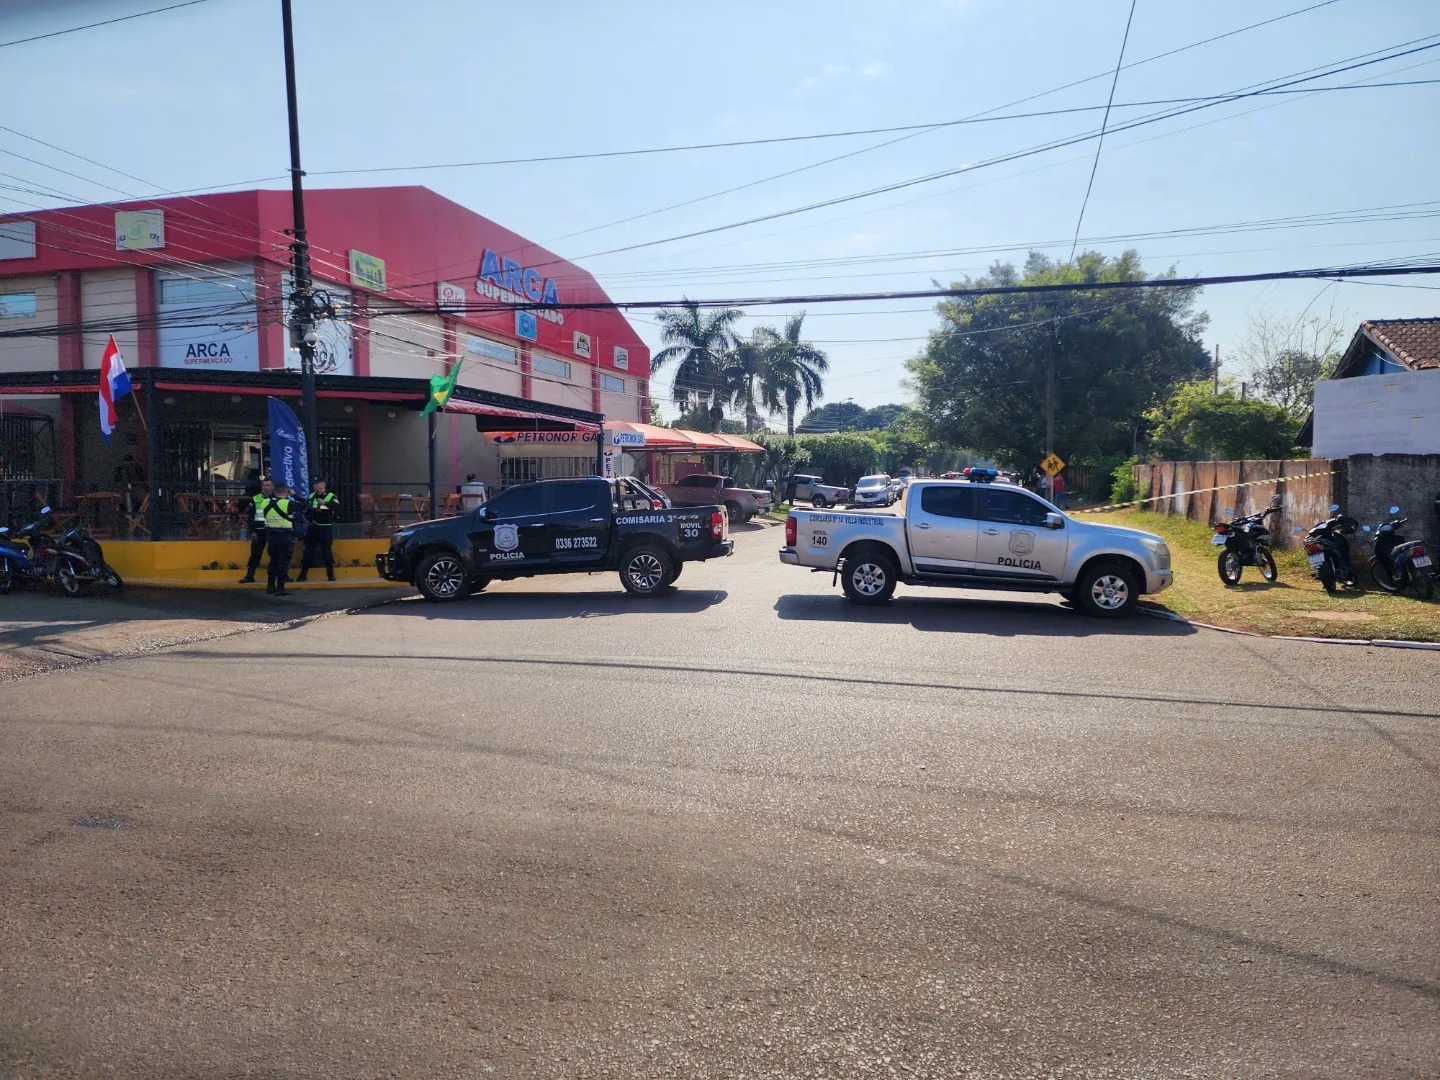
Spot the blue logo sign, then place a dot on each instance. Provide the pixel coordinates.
(521, 283)
(526, 325)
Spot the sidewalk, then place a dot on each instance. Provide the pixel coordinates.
(42, 631)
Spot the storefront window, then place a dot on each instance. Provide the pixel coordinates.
(550, 366)
(479, 346)
(17, 305)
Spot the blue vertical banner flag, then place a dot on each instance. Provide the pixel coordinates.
(288, 455)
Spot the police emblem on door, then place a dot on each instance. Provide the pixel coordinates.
(1022, 543)
(507, 537)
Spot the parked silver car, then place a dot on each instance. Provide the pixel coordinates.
(873, 490)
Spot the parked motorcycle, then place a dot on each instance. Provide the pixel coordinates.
(88, 558)
(1328, 548)
(1246, 542)
(1399, 564)
(34, 555)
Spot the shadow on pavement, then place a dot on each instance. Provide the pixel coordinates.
(520, 606)
(964, 615)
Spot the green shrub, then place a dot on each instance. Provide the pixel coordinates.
(1122, 481)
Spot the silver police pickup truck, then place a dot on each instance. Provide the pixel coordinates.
(979, 534)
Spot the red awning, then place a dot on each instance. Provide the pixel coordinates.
(476, 408)
(681, 441)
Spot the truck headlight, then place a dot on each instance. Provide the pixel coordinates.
(1160, 550)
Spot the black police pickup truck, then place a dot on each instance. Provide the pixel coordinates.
(557, 527)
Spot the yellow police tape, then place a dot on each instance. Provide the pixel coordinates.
(1203, 491)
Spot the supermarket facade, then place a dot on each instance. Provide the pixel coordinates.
(195, 290)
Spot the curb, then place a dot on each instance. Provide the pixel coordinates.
(235, 586)
(1166, 615)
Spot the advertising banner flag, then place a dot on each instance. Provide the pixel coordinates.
(288, 460)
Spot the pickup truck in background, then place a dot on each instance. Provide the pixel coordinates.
(816, 492)
(557, 527)
(977, 534)
(702, 489)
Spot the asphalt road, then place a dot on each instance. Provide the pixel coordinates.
(742, 830)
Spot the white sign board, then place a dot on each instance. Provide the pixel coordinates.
(139, 230)
(449, 297)
(208, 321)
(1378, 414)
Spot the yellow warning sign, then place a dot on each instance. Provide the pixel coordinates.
(1052, 465)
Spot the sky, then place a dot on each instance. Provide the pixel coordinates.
(193, 99)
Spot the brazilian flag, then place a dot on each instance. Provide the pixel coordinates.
(441, 387)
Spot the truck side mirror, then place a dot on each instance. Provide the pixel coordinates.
(1054, 521)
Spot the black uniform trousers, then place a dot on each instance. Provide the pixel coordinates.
(257, 549)
(319, 550)
(282, 550)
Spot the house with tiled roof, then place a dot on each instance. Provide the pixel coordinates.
(1384, 397)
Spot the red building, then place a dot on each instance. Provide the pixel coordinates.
(194, 290)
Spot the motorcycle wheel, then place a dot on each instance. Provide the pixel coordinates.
(66, 580)
(1266, 562)
(1326, 574)
(1230, 567)
(1383, 578)
(1422, 583)
(7, 577)
(110, 577)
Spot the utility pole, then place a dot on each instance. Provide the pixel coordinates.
(303, 335)
(1050, 406)
(1217, 370)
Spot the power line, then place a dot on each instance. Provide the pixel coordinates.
(1104, 123)
(106, 22)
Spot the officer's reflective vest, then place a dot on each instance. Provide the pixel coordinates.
(259, 514)
(326, 505)
(277, 514)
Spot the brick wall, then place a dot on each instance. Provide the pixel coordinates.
(1365, 486)
(1411, 481)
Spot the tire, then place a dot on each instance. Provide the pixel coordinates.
(1107, 591)
(7, 577)
(1326, 573)
(675, 573)
(1421, 582)
(66, 580)
(819, 502)
(645, 570)
(869, 577)
(1383, 578)
(110, 577)
(734, 513)
(1230, 567)
(1266, 561)
(478, 584)
(441, 578)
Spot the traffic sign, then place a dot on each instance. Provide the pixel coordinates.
(1052, 465)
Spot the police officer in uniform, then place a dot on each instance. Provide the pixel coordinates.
(256, 507)
(280, 531)
(320, 536)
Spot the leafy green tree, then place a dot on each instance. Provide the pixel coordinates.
(980, 381)
(698, 419)
(783, 456)
(837, 416)
(697, 342)
(880, 417)
(754, 375)
(1195, 422)
(841, 458)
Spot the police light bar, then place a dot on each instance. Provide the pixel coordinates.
(982, 476)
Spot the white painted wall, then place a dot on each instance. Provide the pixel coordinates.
(1378, 414)
(411, 347)
(574, 392)
(108, 296)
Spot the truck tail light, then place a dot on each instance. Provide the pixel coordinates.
(717, 524)
(792, 531)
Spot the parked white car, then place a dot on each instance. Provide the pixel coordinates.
(873, 491)
(977, 534)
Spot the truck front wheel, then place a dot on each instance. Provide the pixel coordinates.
(441, 577)
(869, 577)
(1107, 591)
(645, 570)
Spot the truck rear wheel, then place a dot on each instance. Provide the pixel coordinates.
(733, 511)
(441, 577)
(645, 570)
(870, 577)
(819, 502)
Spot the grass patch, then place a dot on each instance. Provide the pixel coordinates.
(1295, 604)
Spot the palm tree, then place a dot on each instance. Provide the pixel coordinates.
(752, 378)
(798, 369)
(698, 341)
